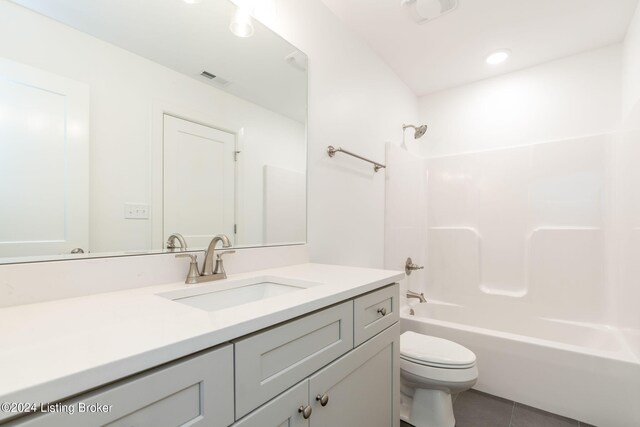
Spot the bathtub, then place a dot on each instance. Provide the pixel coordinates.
(579, 370)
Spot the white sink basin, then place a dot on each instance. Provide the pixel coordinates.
(225, 294)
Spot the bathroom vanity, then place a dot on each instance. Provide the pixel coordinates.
(306, 345)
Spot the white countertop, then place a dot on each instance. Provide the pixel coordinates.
(52, 350)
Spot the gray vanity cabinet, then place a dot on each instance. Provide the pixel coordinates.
(361, 388)
(374, 312)
(283, 411)
(307, 372)
(269, 362)
(340, 383)
(194, 391)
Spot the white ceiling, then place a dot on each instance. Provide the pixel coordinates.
(451, 50)
(190, 39)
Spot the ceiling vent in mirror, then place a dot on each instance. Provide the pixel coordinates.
(216, 79)
(422, 11)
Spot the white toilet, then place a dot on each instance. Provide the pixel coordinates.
(431, 369)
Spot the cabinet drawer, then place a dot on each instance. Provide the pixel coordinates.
(270, 362)
(281, 411)
(374, 312)
(197, 391)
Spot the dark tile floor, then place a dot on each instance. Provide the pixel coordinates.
(476, 409)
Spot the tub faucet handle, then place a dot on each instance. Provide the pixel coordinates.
(409, 266)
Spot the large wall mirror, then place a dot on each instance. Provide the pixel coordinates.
(123, 122)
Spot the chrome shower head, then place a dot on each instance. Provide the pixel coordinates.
(419, 130)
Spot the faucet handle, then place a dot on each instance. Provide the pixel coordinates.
(409, 266)
(219, 254)
(219, 269)
(193, 274)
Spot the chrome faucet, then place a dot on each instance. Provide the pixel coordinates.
(420, 296)
(209, 273)
(171, 242)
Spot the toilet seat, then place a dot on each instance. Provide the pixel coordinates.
(423, 374)
(431, 369)
(435, 352)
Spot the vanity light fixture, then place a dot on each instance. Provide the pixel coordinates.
(498, 57)
(241, 23)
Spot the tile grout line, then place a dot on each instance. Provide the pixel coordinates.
(513, 409)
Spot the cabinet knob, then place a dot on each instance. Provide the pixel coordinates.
(323, 399)
(382, 311)
(305, 411)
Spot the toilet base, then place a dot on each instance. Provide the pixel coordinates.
(428, 408)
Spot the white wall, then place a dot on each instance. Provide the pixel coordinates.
(128, 94)
(575, 96)
(631, 66)
(406, 215)
(357, 102)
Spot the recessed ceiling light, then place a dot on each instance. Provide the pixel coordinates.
(241, 23)
(498, 57)
(192, 1)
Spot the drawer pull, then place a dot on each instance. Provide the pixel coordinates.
(323, 399)
(305, 411)
(382, 311)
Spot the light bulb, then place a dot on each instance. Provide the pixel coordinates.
(498, 57)
(241, 23)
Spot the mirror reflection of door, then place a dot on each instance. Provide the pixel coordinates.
(44, 159)
(199, 181)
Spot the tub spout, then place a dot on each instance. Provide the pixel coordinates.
(420, 296)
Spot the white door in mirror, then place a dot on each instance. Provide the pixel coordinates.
(199, 181)
(44, 159)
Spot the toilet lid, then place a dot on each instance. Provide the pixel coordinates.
(432, 351)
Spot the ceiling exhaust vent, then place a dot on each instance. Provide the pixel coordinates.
(422, 11)
(216, 79)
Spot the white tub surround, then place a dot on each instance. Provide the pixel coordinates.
(532, 251)
(580, 370)
(56, 349)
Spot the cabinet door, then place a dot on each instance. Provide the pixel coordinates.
(283, 411)
(269, 362)
(196, 391)
(361, 388)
